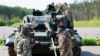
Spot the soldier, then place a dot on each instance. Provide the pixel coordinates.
(17, 37)
(22, 42)
(64, 41)
(66, 11)
(50, 8)
(23, 46)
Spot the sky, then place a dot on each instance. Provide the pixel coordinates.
(31, 4)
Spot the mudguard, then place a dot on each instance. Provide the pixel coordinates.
(9, 41)
(78, 39)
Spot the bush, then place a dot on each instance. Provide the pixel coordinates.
(16, 24)
(98, 42)
(1, 41)
(2, 22)
(15, 20)
(89, 42)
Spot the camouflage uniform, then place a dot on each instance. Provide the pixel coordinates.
(66, 11)
(16, 40)
(64, 40)
(22, 42)
(24, 47)
(17, 37)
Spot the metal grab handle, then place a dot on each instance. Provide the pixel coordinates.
(53, 46)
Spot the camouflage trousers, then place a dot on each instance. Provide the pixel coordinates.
(66, 53)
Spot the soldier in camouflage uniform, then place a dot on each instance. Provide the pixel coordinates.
(64, 43)
(66, 11)
(24, 47)
(22, 43)
(17, 37)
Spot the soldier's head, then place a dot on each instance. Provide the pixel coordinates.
(52, 3)
(19, 27)
(26, 29)
(65, 3)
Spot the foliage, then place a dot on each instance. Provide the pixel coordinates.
(15, 20)
(90, 42)
(11, 12)
(1, 41)
(86, 10)
(98, 42)
(2, 22)
(16, 24)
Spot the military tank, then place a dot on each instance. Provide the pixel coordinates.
(42, 41)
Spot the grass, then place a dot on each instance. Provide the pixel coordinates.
(98, 42)
(16, 24)
(87, 23)
(90, 42)
(1, 42)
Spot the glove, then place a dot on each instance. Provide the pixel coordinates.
(52, 47)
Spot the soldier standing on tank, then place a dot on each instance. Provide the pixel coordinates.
(64, 43)
(63, 7)
(50, 8)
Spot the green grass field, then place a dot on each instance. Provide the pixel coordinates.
(87, 23)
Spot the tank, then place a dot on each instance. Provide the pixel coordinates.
(43, 42)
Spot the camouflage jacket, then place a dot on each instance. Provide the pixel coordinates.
(64, 41)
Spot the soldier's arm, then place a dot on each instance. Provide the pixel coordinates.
(26, 47)
(16, 40)
(59, 8)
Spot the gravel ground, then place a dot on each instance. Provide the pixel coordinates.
(90, 51)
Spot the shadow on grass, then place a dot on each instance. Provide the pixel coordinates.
(87, 53)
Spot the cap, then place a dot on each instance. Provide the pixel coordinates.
(65, 3)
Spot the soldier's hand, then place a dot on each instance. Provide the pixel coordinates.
(52, 47)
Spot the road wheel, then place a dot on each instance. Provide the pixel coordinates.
(76, 51)
(11, 51)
